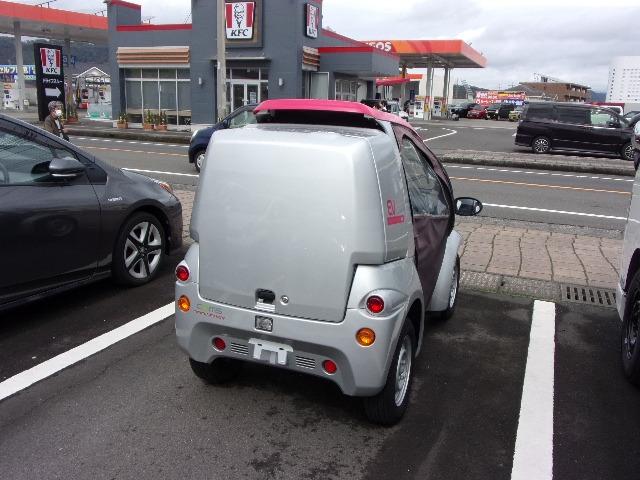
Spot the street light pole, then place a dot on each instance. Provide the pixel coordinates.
(222, 62)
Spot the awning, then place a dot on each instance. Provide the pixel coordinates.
(432, 53)
(153, 55)
(362, 61)
(389, 81)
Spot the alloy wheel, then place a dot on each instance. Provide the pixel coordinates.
(454, 287)
(541, 145)
(200, 161)
(628, 152)
(631, 334)
(403, 370)
(143, 250)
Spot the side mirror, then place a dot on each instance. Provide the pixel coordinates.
(468, 206)
(226, 123)
(65, 167)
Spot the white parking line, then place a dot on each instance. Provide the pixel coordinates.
(529, 172)
(452, 132)
(161, 172)
(546, 210)
(133, 142)
(533, 455)
(45, 369)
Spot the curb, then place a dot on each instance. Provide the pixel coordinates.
(608, 166)
(166, 137)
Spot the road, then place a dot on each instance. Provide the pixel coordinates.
(135, 410)
(597, 201)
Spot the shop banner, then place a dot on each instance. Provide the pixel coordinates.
(49, 76)
(312, 21)
(488, 97)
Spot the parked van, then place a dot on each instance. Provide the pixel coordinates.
(323, 235)
(546, 126)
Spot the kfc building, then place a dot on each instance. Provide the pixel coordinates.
(274, 49)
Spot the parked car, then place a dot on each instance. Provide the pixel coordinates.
(515, 114)
(547, 126)
(628, 294)
(496, 111)
(477, 112)
(67, 218)
(200, 138)
(393, 106)
(338, 285)
(463, 109)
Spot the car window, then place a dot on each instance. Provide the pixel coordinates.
(26, 161)
(539, 112)
(578, 116)
(602, 118)
(242, 119)
(425, 191)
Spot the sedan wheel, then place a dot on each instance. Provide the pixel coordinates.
(200, 160)
(630, 333)
(139, 250)
(541, 145)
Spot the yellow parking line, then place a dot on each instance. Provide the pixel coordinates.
(135, 151)
(539, 185)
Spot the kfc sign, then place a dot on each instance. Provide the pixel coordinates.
(239, 19)
(51, 59)
(312, 20)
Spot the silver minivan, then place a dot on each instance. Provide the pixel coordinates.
(323, 236)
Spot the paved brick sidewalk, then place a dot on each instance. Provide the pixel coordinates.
(530, 253)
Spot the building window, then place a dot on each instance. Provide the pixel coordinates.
(346, 90)
(159, 90)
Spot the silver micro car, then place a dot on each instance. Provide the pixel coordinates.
(323, 234)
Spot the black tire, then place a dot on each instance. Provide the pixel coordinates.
(139, 251)
(627, 152)
(629, 333)
(384, 408)
(198, 159)
(221, 370)
(541, 144)
(453, 293)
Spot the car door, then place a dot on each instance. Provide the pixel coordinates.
(430, 198)
(573, 128)
(606, 132)
(49, 227)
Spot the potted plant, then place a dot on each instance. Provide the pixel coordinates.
(123, 121)
(162, 121)
(148, 120)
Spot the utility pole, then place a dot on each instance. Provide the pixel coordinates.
(221, 76)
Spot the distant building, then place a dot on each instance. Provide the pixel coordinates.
(624, 80)
(559, 91)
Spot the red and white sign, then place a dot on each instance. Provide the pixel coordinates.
(313, 15)
(51, 59)
(239, 18)
(486, 98)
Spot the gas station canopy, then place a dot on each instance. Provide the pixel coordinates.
(432, 53)
(44, 22)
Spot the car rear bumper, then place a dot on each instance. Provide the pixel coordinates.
(362, 371)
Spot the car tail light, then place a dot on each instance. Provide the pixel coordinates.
(375, 304)
(330, 367)
(182, 273)
(365, 337)
(219, 343)
(184, 304)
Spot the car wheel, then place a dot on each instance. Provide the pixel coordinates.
(453, 292)
(627, 151)
(629, 335)
(388, 406)
(139, 250)
(221, 370)
(541, 145)
(199, 160)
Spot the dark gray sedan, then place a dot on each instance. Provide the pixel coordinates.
(67, 218)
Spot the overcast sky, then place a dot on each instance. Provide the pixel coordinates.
(570, 39)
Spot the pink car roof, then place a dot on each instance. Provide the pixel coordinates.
(329, 106)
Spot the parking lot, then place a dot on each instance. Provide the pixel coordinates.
(135, 410)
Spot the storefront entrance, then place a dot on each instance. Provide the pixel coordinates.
(243, 93)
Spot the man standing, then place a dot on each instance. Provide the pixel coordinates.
(53, 122)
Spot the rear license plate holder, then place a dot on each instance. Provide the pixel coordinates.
(272, 352)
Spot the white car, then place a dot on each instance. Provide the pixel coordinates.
(628, 295)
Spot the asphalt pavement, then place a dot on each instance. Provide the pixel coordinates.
(135, 410)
